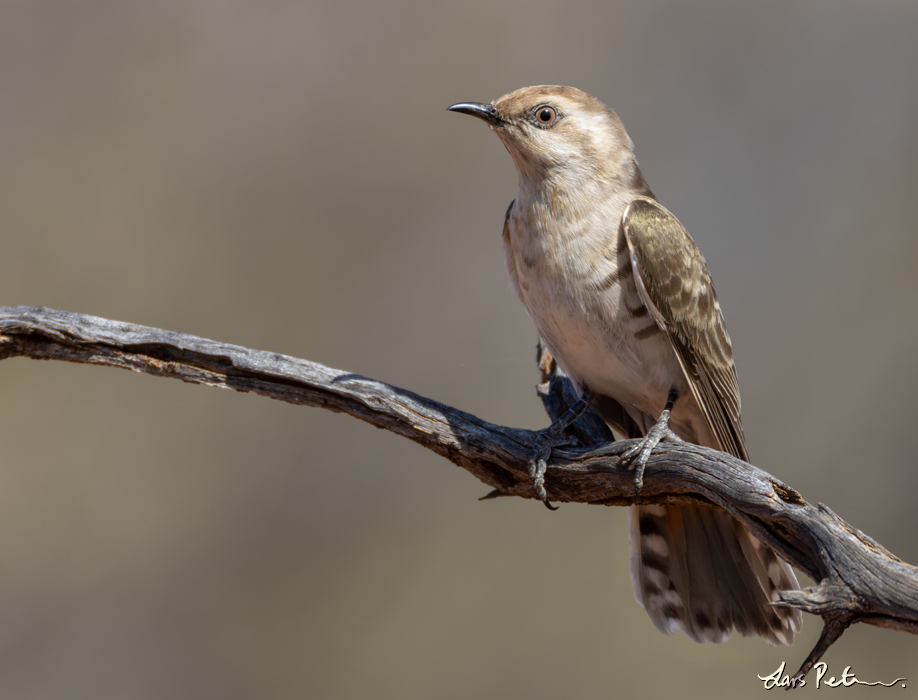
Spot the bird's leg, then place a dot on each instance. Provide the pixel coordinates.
(553, 436)
(637, 456)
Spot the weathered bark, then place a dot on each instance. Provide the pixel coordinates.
(858, 580)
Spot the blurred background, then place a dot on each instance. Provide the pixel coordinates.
(284, 175)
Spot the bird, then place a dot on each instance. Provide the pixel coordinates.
(622, 298)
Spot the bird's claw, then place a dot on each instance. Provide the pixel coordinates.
(545, 441)
(636, 457)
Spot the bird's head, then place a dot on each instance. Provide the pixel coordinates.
(560, 133)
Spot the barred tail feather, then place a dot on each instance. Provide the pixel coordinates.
(700, 571)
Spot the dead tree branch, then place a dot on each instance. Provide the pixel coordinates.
(858, 580)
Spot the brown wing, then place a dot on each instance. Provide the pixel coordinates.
(674, 283)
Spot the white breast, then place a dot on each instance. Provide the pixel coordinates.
(561, 274)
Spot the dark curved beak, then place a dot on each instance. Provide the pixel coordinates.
(485, 112)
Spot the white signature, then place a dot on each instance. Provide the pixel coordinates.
(779, 680)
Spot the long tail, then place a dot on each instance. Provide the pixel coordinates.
(700, 571)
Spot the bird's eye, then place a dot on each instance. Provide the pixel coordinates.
(545, 115)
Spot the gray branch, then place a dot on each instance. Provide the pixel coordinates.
(859, 580)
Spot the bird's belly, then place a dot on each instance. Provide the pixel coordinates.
(601, 343)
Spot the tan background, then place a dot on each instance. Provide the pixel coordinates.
(284, 175)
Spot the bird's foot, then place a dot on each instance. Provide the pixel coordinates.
(636, 457)
(551, 437)
(546, 441)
